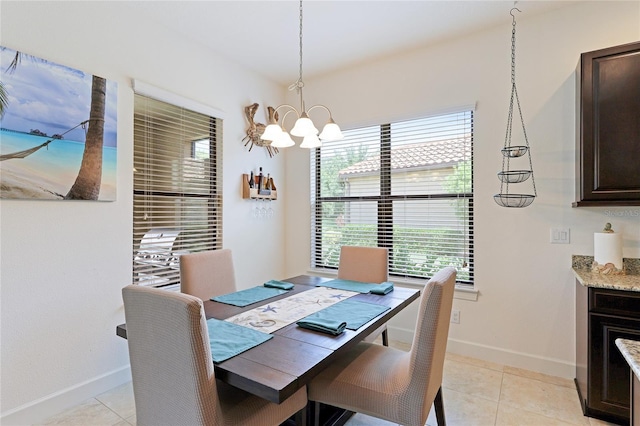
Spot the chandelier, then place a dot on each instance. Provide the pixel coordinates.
(304, 127)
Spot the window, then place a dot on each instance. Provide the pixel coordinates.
(177, 188)
(407, 186)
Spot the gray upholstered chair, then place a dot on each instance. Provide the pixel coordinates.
(172, 369)
(389, 383)
(368, 265)
(207, 274)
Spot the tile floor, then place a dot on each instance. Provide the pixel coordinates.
(475, 392)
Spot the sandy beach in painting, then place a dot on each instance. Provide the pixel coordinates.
(16, 182)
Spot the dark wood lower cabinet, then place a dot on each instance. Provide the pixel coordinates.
(602, 374)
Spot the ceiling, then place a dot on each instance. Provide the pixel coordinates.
(264, 35)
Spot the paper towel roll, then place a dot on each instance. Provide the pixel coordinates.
(607, 248)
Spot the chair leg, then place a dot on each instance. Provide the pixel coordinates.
(385, 338)
(439, 407)
(301, 417)
(316, 413)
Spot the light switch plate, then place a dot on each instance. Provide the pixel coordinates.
(560, 236)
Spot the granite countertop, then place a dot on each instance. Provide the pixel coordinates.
(630, 281)
(630, 350)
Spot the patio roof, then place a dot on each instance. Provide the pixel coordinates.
(434, 154)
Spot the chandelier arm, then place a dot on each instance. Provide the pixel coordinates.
(292, 109)
(321, 106)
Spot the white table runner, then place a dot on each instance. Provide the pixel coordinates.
(280, 313)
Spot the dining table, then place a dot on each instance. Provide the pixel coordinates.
(277, 368)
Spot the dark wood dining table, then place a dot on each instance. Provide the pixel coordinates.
(279, 367)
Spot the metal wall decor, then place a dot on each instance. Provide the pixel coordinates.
(255, 130)
(508, 176)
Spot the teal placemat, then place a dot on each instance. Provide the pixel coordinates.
(353, 312)
(228, 340)
(358, 286)
(348, 285)
(248, 296)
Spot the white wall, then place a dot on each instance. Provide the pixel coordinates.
(63, 263)
(524, 315)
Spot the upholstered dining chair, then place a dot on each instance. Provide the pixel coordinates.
(172, 370)
(368, 265)
(389, 383)
(206, 274)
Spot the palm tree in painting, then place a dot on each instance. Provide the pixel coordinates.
(4, 101)
(87, 184)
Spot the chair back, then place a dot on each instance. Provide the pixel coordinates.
(171, 366)
(207, 274)
(430, 339)
(365, 264)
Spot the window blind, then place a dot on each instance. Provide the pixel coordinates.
(177, 188)
(406, 186)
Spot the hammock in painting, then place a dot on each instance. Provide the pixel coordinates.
(22, 154)
(26, 152)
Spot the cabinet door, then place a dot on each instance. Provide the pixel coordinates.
(608, 371)
(608, 127)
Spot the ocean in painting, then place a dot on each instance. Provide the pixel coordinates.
(49, 172)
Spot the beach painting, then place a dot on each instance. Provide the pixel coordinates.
(57, 131)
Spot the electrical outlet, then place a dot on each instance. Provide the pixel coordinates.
(455, 316)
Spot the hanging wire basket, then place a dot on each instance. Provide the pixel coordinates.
(514, 151)
(514, 176)
(514, 200)
(509, 152)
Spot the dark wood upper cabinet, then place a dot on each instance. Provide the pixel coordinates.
(608, 127)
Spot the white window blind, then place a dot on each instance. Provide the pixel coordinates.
(177, 188)
(407, 186)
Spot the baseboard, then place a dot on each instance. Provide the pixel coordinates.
(550, 366)
(40, 409)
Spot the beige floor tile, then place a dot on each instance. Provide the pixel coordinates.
(120, 400)
(132, 420)
(472, 380)
(404, 346)
(597, 422)
(542, 398)
(474, 361)
(91, 412)
(567, 383)
(360, 419)
(461, 409)
(511, 416)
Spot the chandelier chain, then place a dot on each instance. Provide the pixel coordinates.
(300, 75)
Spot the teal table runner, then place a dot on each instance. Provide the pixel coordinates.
(358, 286)
(249, 296)
(353, 312)
(228, 340)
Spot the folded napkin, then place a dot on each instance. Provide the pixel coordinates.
(278, 284)
(249, 296)
(323, 325)
(228, 340)
(353, 312)
(382, 288)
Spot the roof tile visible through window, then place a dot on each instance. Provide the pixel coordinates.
(427, 154)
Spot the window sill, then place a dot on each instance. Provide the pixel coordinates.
(462, 291)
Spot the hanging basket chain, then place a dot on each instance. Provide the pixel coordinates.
(504, 185)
